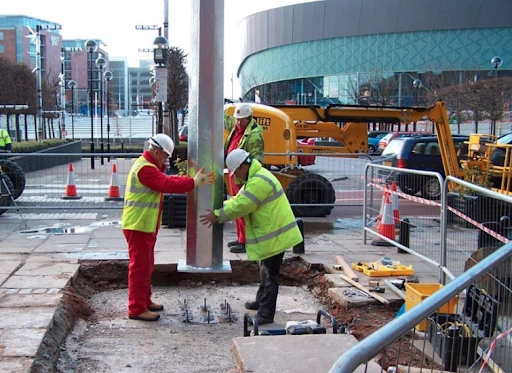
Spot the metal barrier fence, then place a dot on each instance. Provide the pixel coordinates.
(473, 337)
(457, 234)
(336, 176)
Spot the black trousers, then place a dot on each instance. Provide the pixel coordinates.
(269, 285)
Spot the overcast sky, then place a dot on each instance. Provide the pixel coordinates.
(113, 21)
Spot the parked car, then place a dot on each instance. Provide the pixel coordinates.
(417, 153)
(183, 133)
(373, 141)
(383, 142)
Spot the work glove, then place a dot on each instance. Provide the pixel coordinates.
(204, 178)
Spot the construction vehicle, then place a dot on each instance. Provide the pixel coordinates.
(348, 124)
(283, 126)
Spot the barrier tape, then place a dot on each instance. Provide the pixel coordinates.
(424, 201)
(487, 356)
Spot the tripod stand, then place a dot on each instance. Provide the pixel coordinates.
(9, 194)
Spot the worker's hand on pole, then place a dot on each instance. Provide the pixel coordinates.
(208, 219)
(204, 178)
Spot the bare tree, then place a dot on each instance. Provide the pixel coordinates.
(177, 88)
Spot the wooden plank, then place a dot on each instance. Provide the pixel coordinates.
(366, 290)
(346, 268)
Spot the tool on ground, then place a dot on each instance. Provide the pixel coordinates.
(292, 328)
(350, 292)
(395, 289)
(373, 283)
(378, 289)
(346, 268)
(361, 287)
(9, 194)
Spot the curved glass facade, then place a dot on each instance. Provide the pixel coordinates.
(342, 69)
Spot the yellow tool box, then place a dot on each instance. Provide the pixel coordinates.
(378, 270)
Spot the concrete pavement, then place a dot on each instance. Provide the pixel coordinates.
(38, 261)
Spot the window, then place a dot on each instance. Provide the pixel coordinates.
(1, 48)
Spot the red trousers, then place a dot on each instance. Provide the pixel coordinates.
(240, 222)
(141, 249)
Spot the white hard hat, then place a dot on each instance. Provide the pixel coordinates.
(243, 111)
(163, 142)
(235, 159)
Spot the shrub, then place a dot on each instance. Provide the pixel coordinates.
(34, 146)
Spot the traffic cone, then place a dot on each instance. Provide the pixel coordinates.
(70, 186)
(394, 203)
(386, 227)
(382, 205)
(113, 190)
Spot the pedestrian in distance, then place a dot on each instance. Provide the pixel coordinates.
(5, 141)
(143, 201)
(270, 226)
(245, 134)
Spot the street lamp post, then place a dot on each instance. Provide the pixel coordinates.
(160, 57)
(72, 86)
(496, 62)
(91, 46)
(108, 77)
(100, 64)
(416, 83)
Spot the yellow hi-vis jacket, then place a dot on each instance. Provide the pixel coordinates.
(270, 226)
(141, 204)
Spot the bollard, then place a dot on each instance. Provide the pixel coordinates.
(299, 248)
(403, 236)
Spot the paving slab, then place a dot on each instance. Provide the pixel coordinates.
(294, 353)
(26, 318)
(48, 269)
(16, 364)
(59, 281)
(20, 342)
(37, 299)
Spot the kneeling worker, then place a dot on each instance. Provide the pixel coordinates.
(270, 225)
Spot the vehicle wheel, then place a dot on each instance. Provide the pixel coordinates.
(431, 189)
(310, 188)
(371, 150)
(5, 196)
(16, 175)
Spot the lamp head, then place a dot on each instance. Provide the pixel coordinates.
(72, 84)
(160, 51)
(108, 75)
(496, 62)
(91, 46)
(416, 83)
(100, 63)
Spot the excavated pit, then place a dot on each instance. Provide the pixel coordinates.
(92, 332)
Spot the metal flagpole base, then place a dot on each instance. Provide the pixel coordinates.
(224, 268)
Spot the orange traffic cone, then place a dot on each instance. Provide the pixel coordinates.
(70, 186)
(394, 203)
(113, 190)
(382, 205)
(386, 227)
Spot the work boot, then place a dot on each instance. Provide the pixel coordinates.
(254, 305)
(145, 316)
(238, 249)
(263, 320)
(233, 243)
(155, 307)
